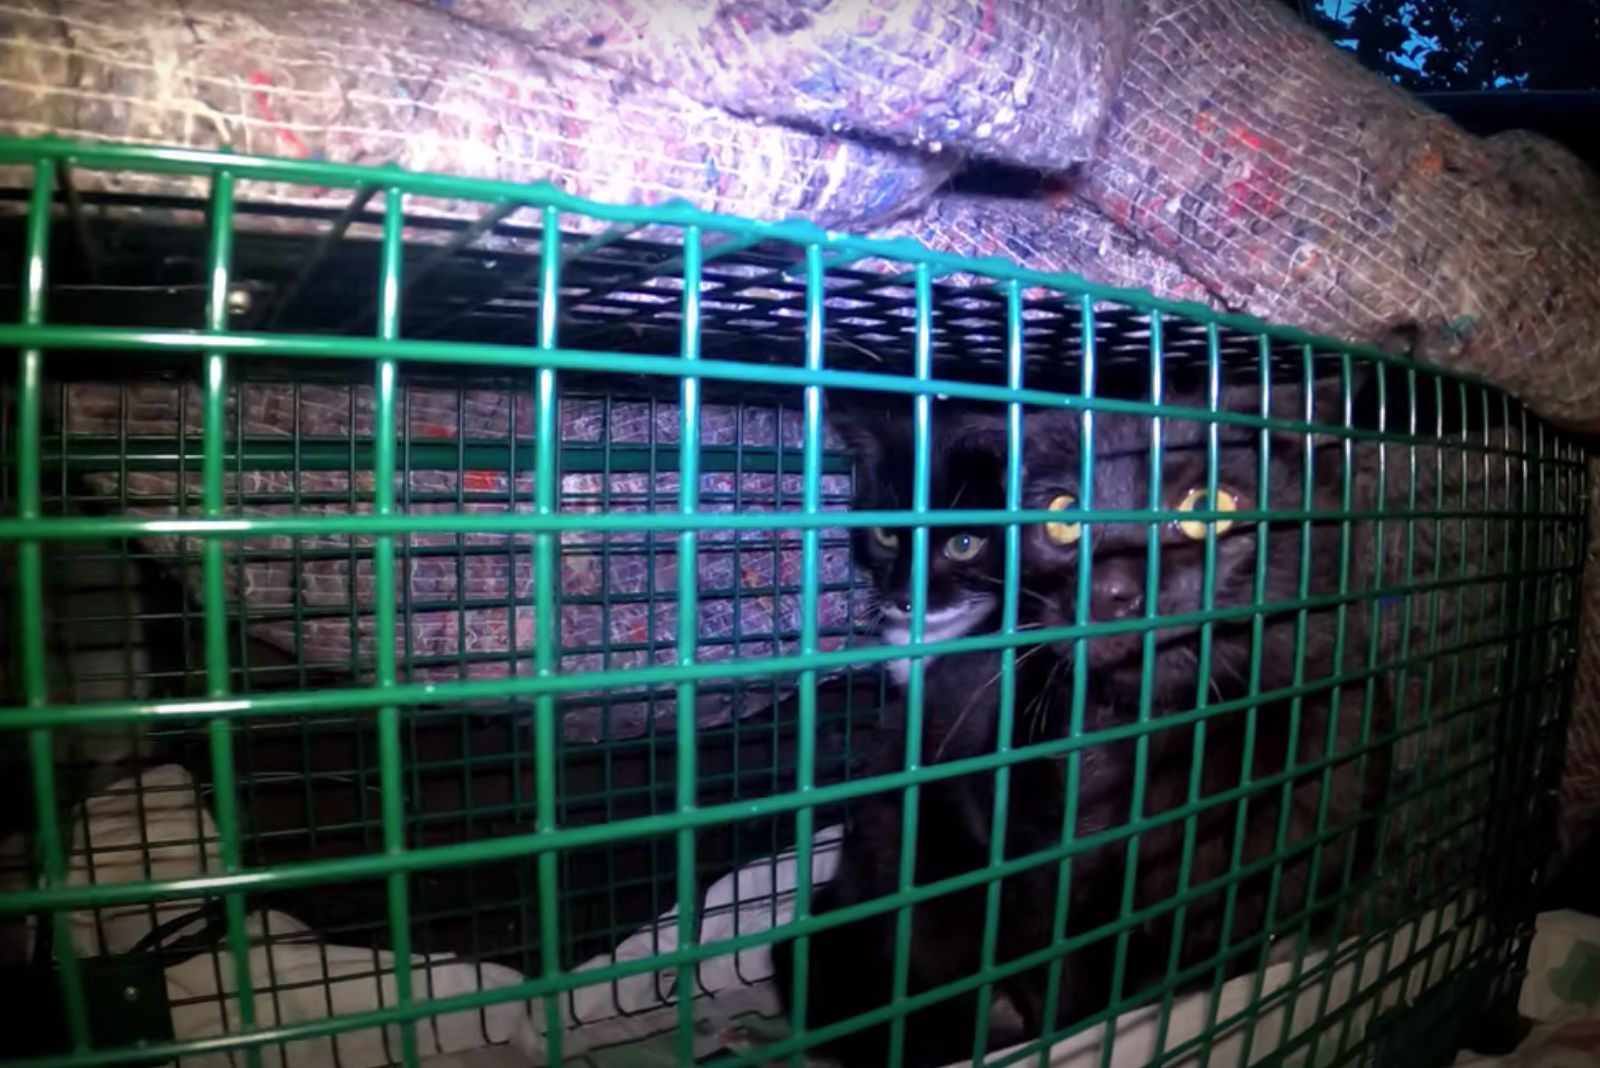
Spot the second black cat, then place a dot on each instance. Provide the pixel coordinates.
(851, 967)
(1283, 789)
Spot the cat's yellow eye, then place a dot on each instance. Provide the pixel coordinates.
(964, 547)
(1063, 533)
(1195, 500)
(885, 537)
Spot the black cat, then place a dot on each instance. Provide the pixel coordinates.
(1307, 772)
(965, 470)
(851, 966)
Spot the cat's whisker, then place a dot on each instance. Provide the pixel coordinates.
(965, 597)
(1038, 715)
(977, 693)
(1035, 712)
(1035, 594)
(1038, 708)
(1062, 667)
(1030, 625)
(1028, 712)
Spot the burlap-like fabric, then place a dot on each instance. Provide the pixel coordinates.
(362, 81)
(1060, 233)
(1238, 144)
(1301, 187)
(1288, 180)
(1018, 80)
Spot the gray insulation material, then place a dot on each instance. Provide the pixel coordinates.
(1018, 80)
(1304, 189)
(364, 82)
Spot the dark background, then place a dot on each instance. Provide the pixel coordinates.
(1490, 64)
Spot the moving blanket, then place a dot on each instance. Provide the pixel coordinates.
(1285, 177)
(1267, 164)
(1218, 149)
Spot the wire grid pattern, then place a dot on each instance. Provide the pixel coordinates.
(468, 600)
(1461, 826)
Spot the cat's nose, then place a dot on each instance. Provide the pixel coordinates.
(1118, 593)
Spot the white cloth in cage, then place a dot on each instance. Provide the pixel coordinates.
(298, 978)
(154, 827)
(760, 896)
(1561, 994)
(754, 898)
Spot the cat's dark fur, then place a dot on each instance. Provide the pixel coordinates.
(1323, 728)
(964, 471)
(850, 965)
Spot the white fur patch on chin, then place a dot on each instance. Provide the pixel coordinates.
(946, 624)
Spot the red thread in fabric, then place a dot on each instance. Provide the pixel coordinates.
(262, 82)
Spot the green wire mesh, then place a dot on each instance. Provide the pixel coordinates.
(383, 527)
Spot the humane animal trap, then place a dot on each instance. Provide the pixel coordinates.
(435, 630)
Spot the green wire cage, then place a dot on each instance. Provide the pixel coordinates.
(434, 630)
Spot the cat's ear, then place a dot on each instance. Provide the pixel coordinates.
(863, 426)
(981, 430)
(1330, 399)
(984, 433)
(857, 433)
(860, 424)
(1287, 401)
(1052, 441)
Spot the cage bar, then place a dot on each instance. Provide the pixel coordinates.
(646, 476)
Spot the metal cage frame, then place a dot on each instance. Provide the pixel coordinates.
(690, 346)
